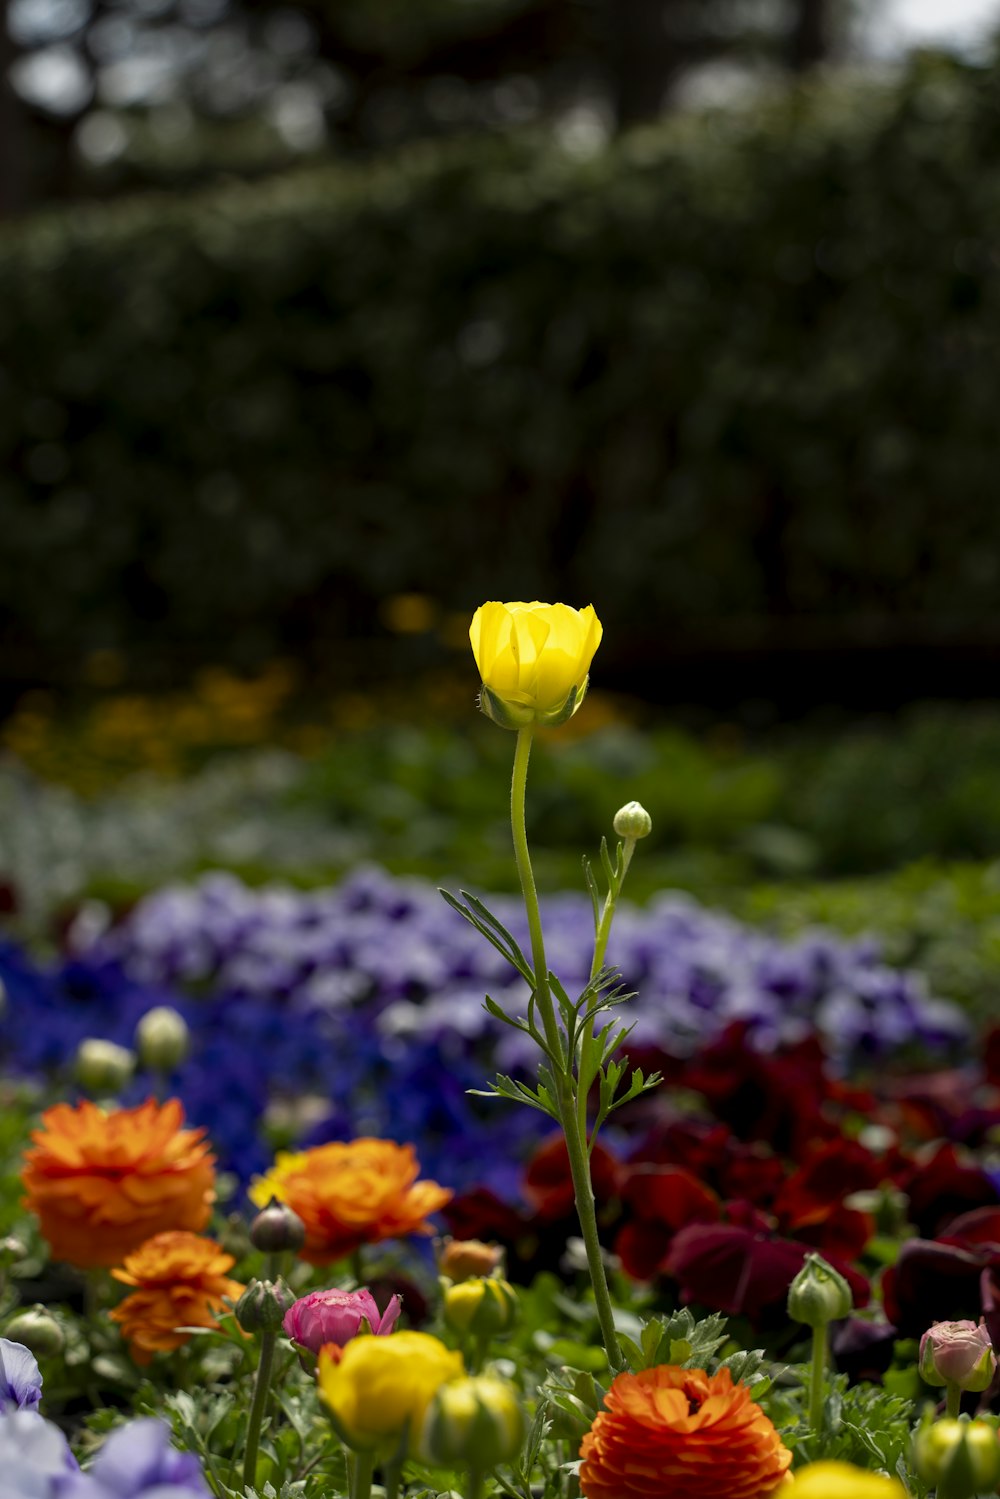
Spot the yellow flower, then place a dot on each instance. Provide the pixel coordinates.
(841, 1481)
(473, 1423)
(377, 1387)
(534, 660)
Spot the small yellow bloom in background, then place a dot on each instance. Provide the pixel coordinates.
(534, 660)
(841, 1481)
(379, 1387)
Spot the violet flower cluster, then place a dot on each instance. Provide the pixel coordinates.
(279, 985)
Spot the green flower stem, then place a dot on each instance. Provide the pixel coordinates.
(579, 1162)
(817, 1378)
(600, 948)
(361, 1475)
(391, 1475)
(260, 1393)
(953, 1399)
(475, 1488)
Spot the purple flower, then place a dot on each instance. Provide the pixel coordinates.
(20, 1380)
(35, 1458)
(138, 1462)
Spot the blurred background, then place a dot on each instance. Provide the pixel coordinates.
(320, 323)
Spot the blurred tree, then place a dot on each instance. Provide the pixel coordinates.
(175, 90)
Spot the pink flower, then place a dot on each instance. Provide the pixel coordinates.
(957, 1353)
(336, 1317)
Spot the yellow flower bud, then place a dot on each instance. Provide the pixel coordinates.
(957, 1457)
(103, 1066)
(534, 660)
(481, 1306)
(473, 1423)
(162, 1038)
(380, 1388)
(841, 1481)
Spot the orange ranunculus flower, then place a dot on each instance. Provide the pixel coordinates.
(103, 1183)
(180, 1280)
(681, 1432)
(353, 1193)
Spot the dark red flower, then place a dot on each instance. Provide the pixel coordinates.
(662, 1200)
(944, 1186)
(933, 1282)
(742, 1271)
(548, 1184)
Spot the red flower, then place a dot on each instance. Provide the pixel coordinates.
(548, 1184)
(663, 1199)
(743, 1270)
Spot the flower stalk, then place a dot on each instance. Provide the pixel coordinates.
(262, 1386)
(567, 1085)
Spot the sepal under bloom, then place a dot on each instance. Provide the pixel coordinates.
(534, 660)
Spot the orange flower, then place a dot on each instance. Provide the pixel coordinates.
(181, 1281)
(103, 1183)
(684, 1433)
(352, 1194)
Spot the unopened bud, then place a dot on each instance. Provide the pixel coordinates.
(277, 1228)
(481, 1306)
(472, 1423)
(263, 1305)
(38, 1331)
(12, 1250)
(461, 1259)
(103, 1066)
(633, 821)
(959, 1458)
(818, 1294)
(959, 1354)
(162, 1039)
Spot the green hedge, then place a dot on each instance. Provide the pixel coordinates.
(736, 370)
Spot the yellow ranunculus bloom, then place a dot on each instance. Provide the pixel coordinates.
(534, 660)
(474, 1423)
(841, 1481)
(381, 1386)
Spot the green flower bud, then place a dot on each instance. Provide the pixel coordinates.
(277, 1228)
(38, 1330)
(263, 1305)
(633, 821)
(102, 1066)
(959, 1458)
(162, 1039)
(818, 1294)
(472, 1423)
(481, 1306)
(12, 1250)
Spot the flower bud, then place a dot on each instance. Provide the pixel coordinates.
(12, 1250)
(473, 1423)
(633, 821)
(263, 1305)
(534, 660)
(38, 1330)
(162, 1038)
(818, 1294)
(461, 1259)
(481, 1306)
(959, 1354)
(959, 1458)
(277, 1228)
(103, 1066)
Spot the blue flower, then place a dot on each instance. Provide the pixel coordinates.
(138, 1462)
(20, 1380)
(35, 1459)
